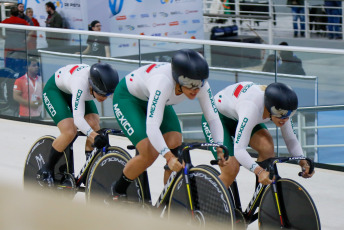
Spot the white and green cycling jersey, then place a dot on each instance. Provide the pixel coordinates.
(244, 102)
(67, 94)
(143, 105)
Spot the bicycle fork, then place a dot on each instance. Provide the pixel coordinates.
(278, 198)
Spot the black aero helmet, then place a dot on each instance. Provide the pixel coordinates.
(280, 100)
(103, 79)
(189, 68)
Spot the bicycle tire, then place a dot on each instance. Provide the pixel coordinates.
(37, 156)
(299, 207)
(100, 155)
(104, 173)
(239, 216)
(212, 202)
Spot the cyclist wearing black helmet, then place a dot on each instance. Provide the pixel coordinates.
(68, 98)
(244, 108)
(143, 108)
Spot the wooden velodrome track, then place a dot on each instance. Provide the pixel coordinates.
(26, 210)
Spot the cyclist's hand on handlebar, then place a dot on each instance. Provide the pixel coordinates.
(100, 141)
(305, 169)
(263, 176)
(173, 162)
(220, 157)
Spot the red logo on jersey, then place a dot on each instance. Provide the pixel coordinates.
(73, 69)
(150, 68)
(237, 91)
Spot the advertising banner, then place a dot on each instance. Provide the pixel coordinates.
(161, 18)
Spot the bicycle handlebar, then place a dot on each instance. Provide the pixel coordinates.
(272, 161)
(106, 131)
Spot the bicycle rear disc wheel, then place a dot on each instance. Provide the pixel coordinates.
(299, 207)
(37, 157)
(211, 200)
(104, 173)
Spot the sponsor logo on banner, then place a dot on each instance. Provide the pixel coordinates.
(115, 6)
(195, 21)
(132, 16)
(119, 18)
(175, 23)
(163, 14)
(166, 1)
(142, 26)
(144, 15)
(159, 24)
(184, 22)
(191, 11)
(175, 12)
(123, 45)
(156, 34)
(130, 27)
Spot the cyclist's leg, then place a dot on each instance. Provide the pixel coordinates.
(262, 142)
(130, 113)
(92, 118)
(57, 105)
(231, 170)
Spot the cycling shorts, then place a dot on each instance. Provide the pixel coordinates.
(229, 128)
(58, 104)
(131, 114)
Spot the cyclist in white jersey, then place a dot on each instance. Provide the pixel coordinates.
(68, 98)
(143, 108)
(244, 108)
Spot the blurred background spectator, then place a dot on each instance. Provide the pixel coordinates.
(32, 38)
(15, 44)
(54, 20)
(27, 91)
(97, 46)
(21, 14)
(334, 12)
(298, 12)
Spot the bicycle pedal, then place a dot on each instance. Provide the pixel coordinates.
(67, 186)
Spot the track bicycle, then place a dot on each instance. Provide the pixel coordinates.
(65, 179)
(285, 204)
(193, 192)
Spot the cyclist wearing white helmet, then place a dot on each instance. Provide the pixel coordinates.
(143, 108)
(244, 108)
(68, 98)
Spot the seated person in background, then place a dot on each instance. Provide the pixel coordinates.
(244, 108)
(27, 91)
(270, 63)
(97, 46)
(290, 64)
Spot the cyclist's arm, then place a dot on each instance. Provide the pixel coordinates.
(211, 113)
(247, 113)
(290, 139)
(294, 146)
(78, 107)
(155, 112)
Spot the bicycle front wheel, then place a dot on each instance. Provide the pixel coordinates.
(37, 157)
(211, 200)
(299, 207)
(105, 171)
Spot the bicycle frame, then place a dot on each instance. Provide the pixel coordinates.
(249, 214)
(184, 156)
(70, 156)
